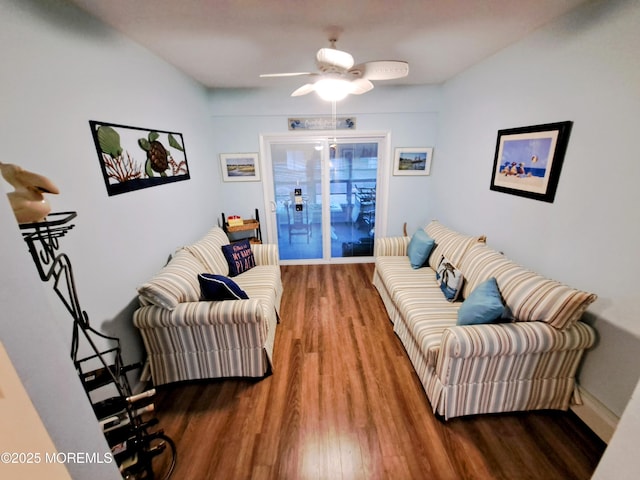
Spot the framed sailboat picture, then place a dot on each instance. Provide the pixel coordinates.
(528, 160)
(412, 161)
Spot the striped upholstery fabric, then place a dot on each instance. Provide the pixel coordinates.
(207, 339)
(391, 246)
(265, 253)
(209, 251)
(393, 271)
(496, 368)
(188, 339)
(530, 297)
(496, 397)
(468, 370)
(514, 339)
(394, 274)
(389, 305)
(449, 243)
(389, 249)
(397, 274)
(421, 322)
(177, 282)
(263, 282)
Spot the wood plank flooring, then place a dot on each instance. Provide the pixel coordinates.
(343, 402)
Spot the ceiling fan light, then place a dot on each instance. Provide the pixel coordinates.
(332, 89)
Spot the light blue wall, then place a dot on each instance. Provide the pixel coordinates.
(410, 113)
(39, 350)
(60, 69)
(63, 69)
(585, 68)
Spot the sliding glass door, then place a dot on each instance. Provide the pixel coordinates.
(297, 183)
(353, 193)
(323, 195)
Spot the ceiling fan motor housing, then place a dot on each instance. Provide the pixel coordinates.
(333, 60)
(338, 77)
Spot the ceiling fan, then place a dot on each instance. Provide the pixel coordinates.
(338, 77)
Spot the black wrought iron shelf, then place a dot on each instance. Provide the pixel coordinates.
(133, 445)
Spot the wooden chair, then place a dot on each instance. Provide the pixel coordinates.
(298, 220)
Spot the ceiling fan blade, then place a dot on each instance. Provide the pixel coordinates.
(303, 90)
(292, 74)
(381, 70)
(360, 86)
(334, 58)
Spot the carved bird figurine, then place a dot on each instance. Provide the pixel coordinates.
(27, 201)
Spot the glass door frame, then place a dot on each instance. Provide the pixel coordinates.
(325, 138)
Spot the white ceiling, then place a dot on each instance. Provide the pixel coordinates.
(228, 43)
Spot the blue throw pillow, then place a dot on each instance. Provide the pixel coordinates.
(239, 257)
(218, 287)
(420, 248)
(484, 305)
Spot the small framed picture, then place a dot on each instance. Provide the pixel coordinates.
(240, 167)
(412, 161)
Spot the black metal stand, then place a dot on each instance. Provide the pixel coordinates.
(247, 225)
(122, 416)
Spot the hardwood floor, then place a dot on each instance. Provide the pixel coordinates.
(343, 402)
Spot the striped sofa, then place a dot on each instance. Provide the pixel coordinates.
(186, 338)
(526, 363)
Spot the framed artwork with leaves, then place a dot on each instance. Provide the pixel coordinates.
(133, 158)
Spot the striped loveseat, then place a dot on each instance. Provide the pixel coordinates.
(527, 361)
(187, 338)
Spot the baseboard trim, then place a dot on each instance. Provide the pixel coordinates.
(596, 416)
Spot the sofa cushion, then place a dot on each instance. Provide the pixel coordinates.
(449, 243)
(449, 279)
(239, 257)
(175, 283)
(218, 287)
(261, 278)
(397, 274)
(529, 296)
(425, 313)
(483, 305)
(479, 264)
(419, 248)
(209, 251)
(262, 282)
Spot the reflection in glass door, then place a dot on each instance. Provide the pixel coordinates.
(324, 196)
(353, 179)
(297, 183)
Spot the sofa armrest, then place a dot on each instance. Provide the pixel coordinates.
(480, 345)
(513, 339)
(391, 246)
(189, 314)
(265, 253)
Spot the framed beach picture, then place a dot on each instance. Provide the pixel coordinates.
(528, 160)
(240, 167)
(412, 161)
